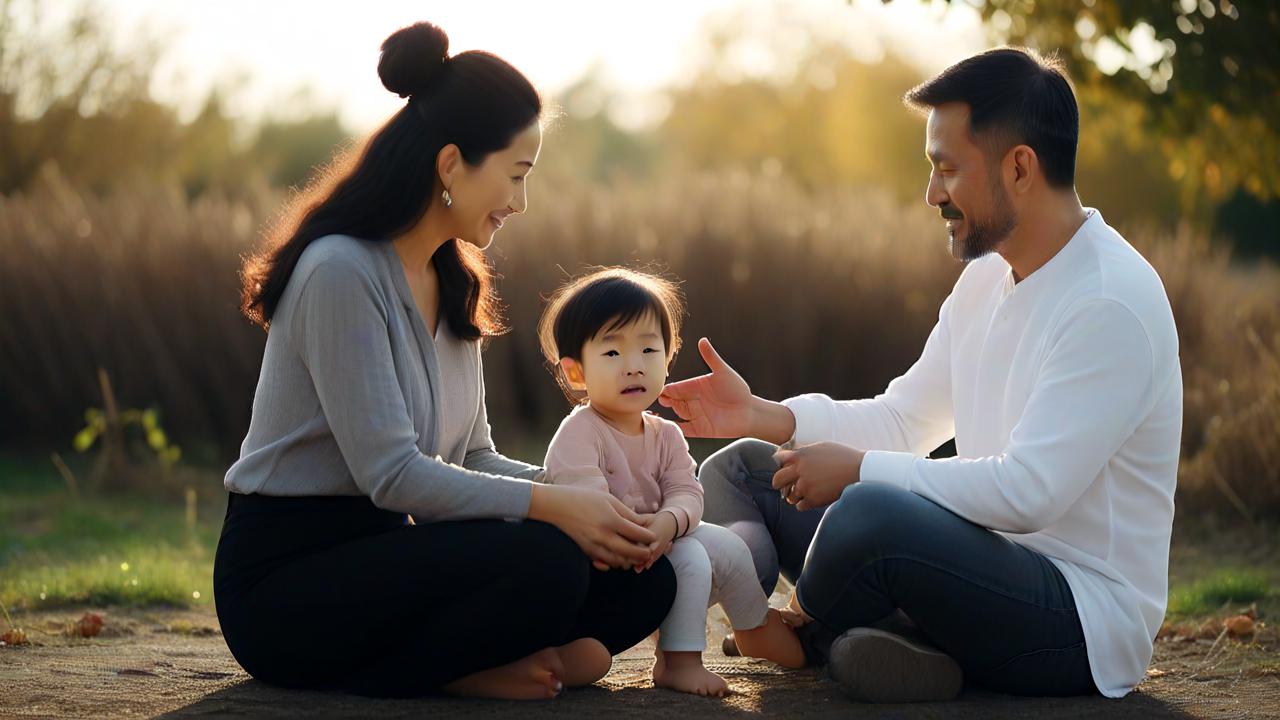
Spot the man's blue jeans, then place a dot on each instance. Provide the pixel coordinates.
(1002, 611)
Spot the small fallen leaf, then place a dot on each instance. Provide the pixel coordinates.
(89, 625)
(1210, 629)
(1155, 672)
(1185, 632)
(1240, 626)
(13, 636)
(1251, 612)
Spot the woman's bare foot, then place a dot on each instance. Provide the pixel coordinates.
(775, 640)
(536, 677)
(585, 661)
(683, 671)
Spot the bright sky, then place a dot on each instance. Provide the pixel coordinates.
(275, 47)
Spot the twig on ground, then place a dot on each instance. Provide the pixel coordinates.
(67, 476)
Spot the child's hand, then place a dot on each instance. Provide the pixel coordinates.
(663, 525)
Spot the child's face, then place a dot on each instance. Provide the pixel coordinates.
(622, 370)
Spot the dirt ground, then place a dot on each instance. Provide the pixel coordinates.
(174, 664)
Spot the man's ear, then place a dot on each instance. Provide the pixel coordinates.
(573, 375)
(1025, 164)
(448, 160)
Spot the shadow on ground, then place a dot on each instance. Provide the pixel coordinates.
(175, 665)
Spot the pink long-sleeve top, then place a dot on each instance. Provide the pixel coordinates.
(650, 472)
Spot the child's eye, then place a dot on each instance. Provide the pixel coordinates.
(649, 350)
(611, 353)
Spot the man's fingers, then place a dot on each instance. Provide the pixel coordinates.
(783, 456)
(600, 565)
(681, 409)
(710, 356)
(786, 475)
(681, 389)
(679, 401)
(796, 495)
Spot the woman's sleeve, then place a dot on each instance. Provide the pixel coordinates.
(340, 330)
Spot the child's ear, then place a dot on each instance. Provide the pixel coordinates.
(572, 370)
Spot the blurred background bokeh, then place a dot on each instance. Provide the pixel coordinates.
(758, 151)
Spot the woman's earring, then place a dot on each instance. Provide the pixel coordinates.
(448, 199)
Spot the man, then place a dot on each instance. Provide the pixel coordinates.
(1036, 561)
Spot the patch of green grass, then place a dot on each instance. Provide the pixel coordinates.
(1223, 587)
(126, 550)
(146, 576)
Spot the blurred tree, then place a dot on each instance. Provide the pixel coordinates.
(72, 96)
(1204, 75)
(589, 145)
(288, 150)
(45, 96)
(836, 120)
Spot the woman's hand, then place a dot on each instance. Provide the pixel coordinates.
(663, 524)
(609, 532)
(814, 475)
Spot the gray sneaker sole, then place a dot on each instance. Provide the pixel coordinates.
(875, 666)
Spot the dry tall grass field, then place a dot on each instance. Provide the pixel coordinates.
(831, 292)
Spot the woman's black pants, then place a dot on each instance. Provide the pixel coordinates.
(334, 593)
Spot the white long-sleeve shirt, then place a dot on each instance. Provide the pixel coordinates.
(1064, 394)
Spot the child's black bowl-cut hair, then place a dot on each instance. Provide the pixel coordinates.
(606, 300)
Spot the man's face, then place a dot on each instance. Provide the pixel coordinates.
(966, 185)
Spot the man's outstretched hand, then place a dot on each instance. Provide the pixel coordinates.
(716, 405)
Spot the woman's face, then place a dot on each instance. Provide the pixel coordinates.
(486, 194)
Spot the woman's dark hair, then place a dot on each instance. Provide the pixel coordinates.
(606, 300)
(1014, 97)
(474, 100)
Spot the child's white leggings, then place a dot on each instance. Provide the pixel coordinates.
(712, 566)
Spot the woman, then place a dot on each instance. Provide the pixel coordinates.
(370, 411)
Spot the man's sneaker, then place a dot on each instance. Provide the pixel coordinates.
(880, 667)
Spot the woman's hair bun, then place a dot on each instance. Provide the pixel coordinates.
(412, 58)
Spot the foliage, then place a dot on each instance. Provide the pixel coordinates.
(850, 280)
(123, 550)
(1235, 586)
(87, 110)
(148, 420)
(1204, 73)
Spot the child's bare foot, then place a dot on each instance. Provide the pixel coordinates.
(683, 671)
(775, 640)
(535, 677)
(585, 661)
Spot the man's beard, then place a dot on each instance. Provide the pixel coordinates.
(984, 235)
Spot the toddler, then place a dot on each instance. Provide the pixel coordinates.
(610, 337)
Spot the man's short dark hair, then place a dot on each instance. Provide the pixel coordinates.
(1015, 97)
